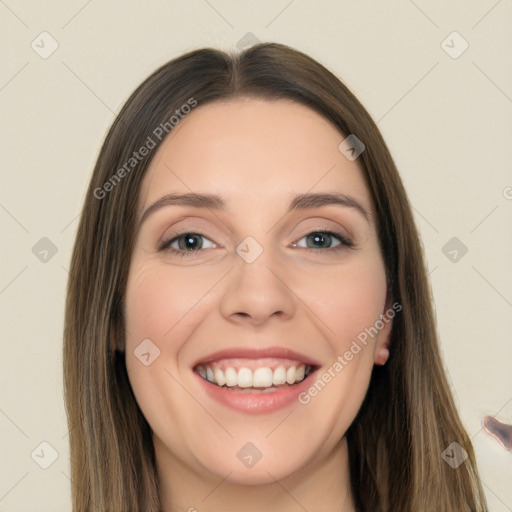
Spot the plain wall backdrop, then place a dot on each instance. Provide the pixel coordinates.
(435, 76)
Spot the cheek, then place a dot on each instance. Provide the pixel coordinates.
(348, 299)
(163, 305)
(158, 298)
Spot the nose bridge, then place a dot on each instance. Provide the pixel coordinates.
(256, 289)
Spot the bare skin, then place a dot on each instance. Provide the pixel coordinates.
(310, 294)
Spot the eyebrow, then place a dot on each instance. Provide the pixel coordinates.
(299, 202)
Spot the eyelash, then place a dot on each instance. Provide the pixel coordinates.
(344, 243)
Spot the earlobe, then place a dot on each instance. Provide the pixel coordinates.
(382, 355)
(382, 350)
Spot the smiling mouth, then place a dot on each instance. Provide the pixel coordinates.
(254, 375)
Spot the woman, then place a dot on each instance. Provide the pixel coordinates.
(249, 323)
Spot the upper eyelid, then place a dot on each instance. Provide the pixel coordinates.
(316, 219)
(189, 232)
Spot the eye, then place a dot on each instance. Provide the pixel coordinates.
(325, 240)
(187, 243)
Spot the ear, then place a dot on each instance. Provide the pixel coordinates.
(385, 324)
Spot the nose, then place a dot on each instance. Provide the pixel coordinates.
(257, 292)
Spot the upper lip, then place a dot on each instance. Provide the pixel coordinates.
(257, 353)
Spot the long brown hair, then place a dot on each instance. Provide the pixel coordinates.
(408, 417)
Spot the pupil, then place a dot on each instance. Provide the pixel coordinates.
(190, 242)
(321, 239)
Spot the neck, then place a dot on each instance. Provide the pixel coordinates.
(323, 485)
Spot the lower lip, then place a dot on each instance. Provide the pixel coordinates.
(255, 403)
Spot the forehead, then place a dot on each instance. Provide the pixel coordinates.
(265, 148)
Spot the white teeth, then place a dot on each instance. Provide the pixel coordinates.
(231, 377)
(279, 376)
(244, 378)
(262, 377)
(219, 377)
(290, 375)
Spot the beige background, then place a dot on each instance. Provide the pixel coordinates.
(448, 123)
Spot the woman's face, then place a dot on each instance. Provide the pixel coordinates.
(257, 262)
